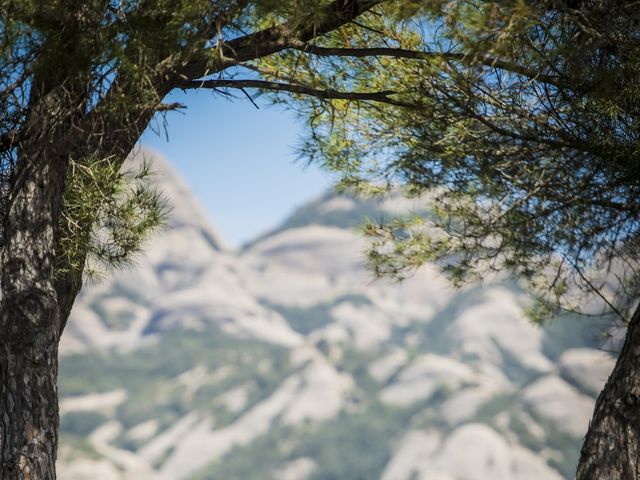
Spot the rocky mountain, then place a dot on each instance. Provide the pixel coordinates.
(286, 361)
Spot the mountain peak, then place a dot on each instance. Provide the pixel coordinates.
(186, 210)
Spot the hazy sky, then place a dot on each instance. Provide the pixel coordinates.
(239, 161)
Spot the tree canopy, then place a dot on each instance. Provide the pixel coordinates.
(519, 120)
(530, 142)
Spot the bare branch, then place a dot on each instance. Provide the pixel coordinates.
(595, 289)
(8, 140)
(167, 107)
(324, 94)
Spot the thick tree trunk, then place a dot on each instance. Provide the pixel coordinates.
(611, 449)
(30, 316)
(28, 387)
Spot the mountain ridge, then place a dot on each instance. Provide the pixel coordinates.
(284, 360)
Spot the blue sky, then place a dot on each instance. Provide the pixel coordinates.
(239, 161)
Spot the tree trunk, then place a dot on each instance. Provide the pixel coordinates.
(30, 315)
(611, 449)
(28, 387)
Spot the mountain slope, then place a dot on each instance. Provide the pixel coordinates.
(286, 361)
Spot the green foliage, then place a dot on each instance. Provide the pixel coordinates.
(498, 404)
(575, 331)
(561, 448)
(307, 319)
(526, 146)
(357, 444)
(253, 461)
(120, 320)
(354, 446)
(77, 447)
(81, 80)
(81, 423)
(356, 362)
(107, 215)
(149, 375)
(567, 446)
(403, 245)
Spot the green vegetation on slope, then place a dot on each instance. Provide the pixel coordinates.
(152, 379)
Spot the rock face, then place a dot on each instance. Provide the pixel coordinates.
(286, 361)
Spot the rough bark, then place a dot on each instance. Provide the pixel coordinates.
(29, 311)
(30, 322)
(611, 449)
(28, 386)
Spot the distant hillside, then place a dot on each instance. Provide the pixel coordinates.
(286, 361)
(343, 211)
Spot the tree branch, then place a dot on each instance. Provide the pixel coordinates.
(595, 289)
(324, 94)
(124, 129)
(279, 37)
(421, 55)
(8, 140)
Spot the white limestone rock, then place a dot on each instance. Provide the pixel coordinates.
(84, 469)
(423, 377)
(414, 455)
(298, 469)
(587, 368)
(561, 403)
(383, 368)
(103, 402)
(471, 452)
(464, 404)
(493, 323)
